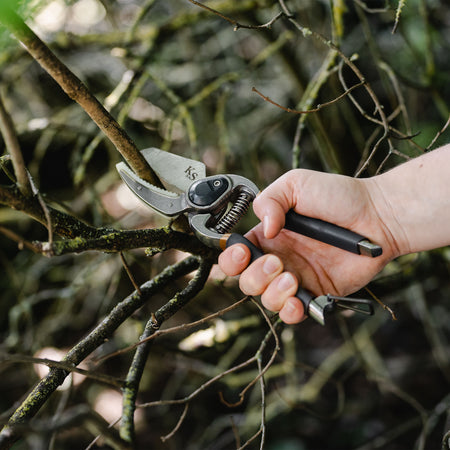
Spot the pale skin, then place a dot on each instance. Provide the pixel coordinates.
(405, 210)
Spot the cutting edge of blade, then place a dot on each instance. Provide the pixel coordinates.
(122, 167)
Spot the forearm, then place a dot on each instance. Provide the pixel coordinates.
(413, 201)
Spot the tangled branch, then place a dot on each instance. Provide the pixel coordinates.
(257, 358)
(40, 394)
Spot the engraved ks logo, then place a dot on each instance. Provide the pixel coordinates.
(191, 174)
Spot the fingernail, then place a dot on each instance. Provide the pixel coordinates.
(271, 265)
(237, 254)
(290, 307)
(286, 282)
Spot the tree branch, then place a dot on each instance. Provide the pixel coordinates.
(63, 224)
(312, 110)
(102, 378)
(78, 91)
(140, 358)
(84, 237)
(45, 388)
(182, 327)
(234, 22)
(112, 240)
(75, 417)
(13, 147)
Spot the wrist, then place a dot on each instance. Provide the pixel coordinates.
(392, 234)
(413, 200)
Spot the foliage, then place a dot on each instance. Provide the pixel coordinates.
(250, 87)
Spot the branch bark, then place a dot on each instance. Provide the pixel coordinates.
(78, 91)
(45, 388)
(136, 370)
(13, 147)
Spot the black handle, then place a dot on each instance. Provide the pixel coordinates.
(324, 232)
(302, 294)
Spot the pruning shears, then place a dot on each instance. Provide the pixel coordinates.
(215, 204)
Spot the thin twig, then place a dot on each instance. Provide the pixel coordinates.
(66, 366)
(313, 110)
(13, 147)
(401, 4)
(348, 62)
(234, 428)
(236, 24)
(325, 147)
(398, 92)
(383, 305)
(307, 33)
(263, 405)
(249, 441)
(200, 389)
(438, 134)
(45, 209)
(387, 384)
(271, 332)
(363, 6)
(130, 275)
(21, 242)
(178, 425)
(182, 327)
(94, 441)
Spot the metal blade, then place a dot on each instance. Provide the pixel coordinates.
(175, 172)
(165, 202)
(359, 305)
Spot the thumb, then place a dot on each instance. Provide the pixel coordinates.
(272, 205)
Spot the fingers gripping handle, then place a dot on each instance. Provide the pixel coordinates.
(302, 294)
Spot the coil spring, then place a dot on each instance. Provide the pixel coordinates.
(232, 217)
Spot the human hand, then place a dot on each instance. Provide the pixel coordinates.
(292, 259)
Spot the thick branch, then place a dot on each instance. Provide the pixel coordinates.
(84, 237)
(76, 416)
(45, 388)
(77, 91)
(63, 224)
(110, 240)
(140, 358)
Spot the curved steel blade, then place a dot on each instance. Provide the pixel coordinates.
(176, 172)
(165, 202)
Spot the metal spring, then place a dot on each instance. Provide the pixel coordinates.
(232, 217)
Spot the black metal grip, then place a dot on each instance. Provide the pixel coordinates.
(324, 232)
(302, 294)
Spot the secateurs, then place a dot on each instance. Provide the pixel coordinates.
(215, 204)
